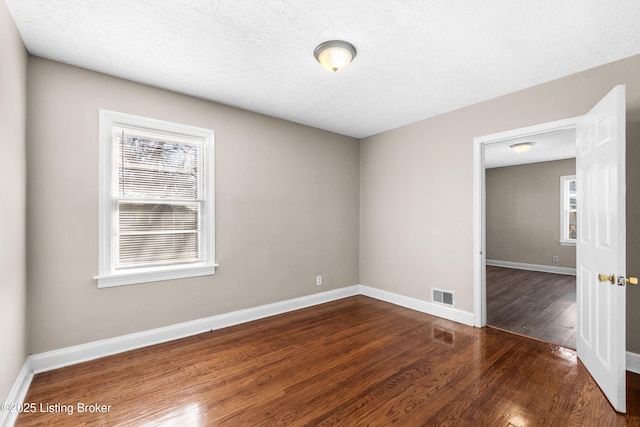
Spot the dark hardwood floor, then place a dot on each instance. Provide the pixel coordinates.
(534, 304)
(356, 361)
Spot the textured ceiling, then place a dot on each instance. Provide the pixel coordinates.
(416, 59)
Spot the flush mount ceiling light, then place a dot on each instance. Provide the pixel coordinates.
(335, 55)
(522, 147)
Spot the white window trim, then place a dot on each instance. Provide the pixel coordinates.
(107, 276)
(564, 241)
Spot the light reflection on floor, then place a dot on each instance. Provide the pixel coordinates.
(185, 416)
(565, 353)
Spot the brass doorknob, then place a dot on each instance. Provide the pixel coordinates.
(605, 278)
(622, 280)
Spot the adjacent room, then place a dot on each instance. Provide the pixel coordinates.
(531, 211)
(283, 213)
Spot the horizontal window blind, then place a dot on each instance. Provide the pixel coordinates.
(157, 186)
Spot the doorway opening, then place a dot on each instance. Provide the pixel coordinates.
(525, 278)
(530, 198)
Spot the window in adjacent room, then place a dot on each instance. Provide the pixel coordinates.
(156, 200)
(569, 211)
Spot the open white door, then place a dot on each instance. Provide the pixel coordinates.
(601, 245)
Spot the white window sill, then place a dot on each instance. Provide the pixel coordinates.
(132, 278)
(567, 242)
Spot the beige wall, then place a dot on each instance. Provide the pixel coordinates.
(13, 284)
(286, 210)
(416, 197)
(523, 214)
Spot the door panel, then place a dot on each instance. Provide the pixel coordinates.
(601, 244)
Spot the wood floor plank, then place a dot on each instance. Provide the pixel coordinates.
(535, 304)
(356, 361)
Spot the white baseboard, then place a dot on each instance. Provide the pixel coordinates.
(93, 350)
(633, 362)
(420, 305)
(17, 394)
(533, 267)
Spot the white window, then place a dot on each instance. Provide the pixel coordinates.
(568, 210)
(156, 213)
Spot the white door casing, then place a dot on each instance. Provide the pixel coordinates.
(601, 244)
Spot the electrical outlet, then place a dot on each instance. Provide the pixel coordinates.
(555, 258)
(318, 280)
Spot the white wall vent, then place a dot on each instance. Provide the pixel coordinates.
(442, 297)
